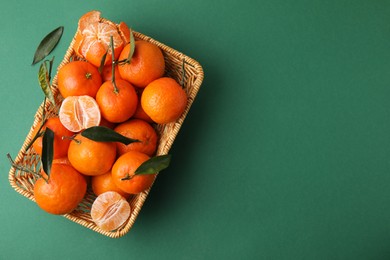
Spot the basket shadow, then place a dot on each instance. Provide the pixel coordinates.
(171, 182)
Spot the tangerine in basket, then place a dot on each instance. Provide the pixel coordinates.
(123, 173)
(107, 73)
(117, 104)
(78, 78)
(139, 112)
(91, 157)
(164, 100)
(93, 38)
(139, 130)
(63, 191)
(103, 183)
(60, 145)
(110, 211)
(147, 64)
(79, 112)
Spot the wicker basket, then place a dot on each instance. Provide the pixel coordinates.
(23, 182)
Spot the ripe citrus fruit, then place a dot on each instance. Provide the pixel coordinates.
(107, 73)
(147, 64)
(93, 38)
(139, 112)
(164, 100)
(103, 183)
(79, 112)
(117, 104)
(139, 130)
(63, 191)
(90, 157)
(78, 78)
(110, 210)
(60, 145)
(123, 173)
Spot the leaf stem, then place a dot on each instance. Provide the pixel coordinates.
(24, 169)
(116, 90)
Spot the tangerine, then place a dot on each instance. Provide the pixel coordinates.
(123, 173)
(164, 100)
(117, 104)
(139, 130)
(62, 192)
(60, 144)
(93, 38)
(78, 78)
(91, 157)
(147, 64)
(103, 183)
(110, 210)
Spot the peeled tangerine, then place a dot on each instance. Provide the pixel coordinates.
(110, 210)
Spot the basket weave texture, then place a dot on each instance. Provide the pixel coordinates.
(23, 182)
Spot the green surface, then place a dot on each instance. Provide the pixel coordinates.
(284, 154)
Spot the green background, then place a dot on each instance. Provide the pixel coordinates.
(283, 155)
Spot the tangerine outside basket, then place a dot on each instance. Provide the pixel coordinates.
(23, 182)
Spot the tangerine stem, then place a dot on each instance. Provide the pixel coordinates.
(127, 177)
(24, 169)
(72, 138)
(116, 90)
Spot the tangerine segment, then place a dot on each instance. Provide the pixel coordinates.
(79, 112)
(110, 210)
(123, 173)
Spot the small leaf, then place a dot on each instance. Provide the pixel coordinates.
(105, 134)
(47, 150)
(154, 165)
(48, 44)
(44, 82)
(132, 47)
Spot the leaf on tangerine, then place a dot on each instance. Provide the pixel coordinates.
(105, 134)
(154, 165)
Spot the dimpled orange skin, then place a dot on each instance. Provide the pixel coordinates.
(78, 78)
(117, 107)
(164, 100)
(90, 157)
(62, 193)
(103, 183)
(147, 64)
(125, 166)
(139, 130)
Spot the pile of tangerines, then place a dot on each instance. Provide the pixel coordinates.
(127, 96)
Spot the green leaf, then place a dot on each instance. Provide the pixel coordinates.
(132, 47)
(48, 44)
(47, 150)
(154, 165)
(44, 82)
(105, 134)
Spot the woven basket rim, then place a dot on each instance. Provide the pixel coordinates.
(175, 129)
